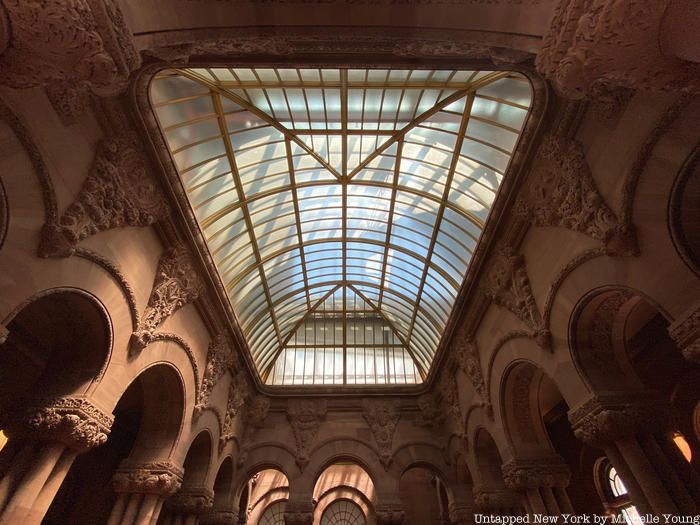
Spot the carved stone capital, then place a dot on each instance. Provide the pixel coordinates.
(219, 517)
(73, 421)
(460, 514)
(118, 192)
(604, 419)
(494, 501)
(305, 416)
(298, 514)
(538, 473)
(382, 416)
(561, 192)
(221, 357)
(191, 501)
(390, 514)
(176, 284)
(160, 477)
(83, 41)
(466, 358)
(686, 334)
(597, 45)
(508, 286)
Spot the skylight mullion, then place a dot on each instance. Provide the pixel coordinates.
(244, 207)
(394, 191)
(441, 211)
(344, 182)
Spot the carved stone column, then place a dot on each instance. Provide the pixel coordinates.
(141, 490)
(188, 506)
(496, 502)
(595, 46)
(44, 439)
(390, 513)
(542, 482)
(634, 430)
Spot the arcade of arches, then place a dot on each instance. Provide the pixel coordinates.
(339, 262)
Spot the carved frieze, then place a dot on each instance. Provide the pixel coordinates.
(191, 501)
(547, 472)
(256, 412)
(686, 334)
(466, 358)
(595, 46)
(176, 284)
(221, 357)
(118, 192)
(305, 416)
(73, 421)
(82, 41)
(382, 416)
(159, 477)
(508, 286)
(239, 391)
(604, 419)
(561, 192)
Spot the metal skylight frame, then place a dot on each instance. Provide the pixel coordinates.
(230, 90)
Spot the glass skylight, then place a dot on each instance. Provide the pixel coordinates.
(341, 206)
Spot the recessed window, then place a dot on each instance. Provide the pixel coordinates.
(341, 207)
(683, 446)
(343, 512)
(614, 494)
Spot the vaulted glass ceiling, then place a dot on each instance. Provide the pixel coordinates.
(341, 206)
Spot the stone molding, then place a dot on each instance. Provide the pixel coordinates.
(83, 42)
(239, 392)
(561, 192)
(602, 420)
(73, 421)
(219, 517)
(548, 472)
(160, 478)
(118, 192)
(176, 284)
(466, 358)
(583, 57)
(382, 416)
(305, 416)
(221, 357)
(508, 286)
(256, 412)
(191, 501)
(685, 333)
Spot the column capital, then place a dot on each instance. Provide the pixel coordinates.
(390, 514)
(607, 418)
(191, 500)
(544, 472)
(73, 421)
(685, 332)
(460, 513)
(494, 501)
(298, 513)
(219, 517)
(158, 477)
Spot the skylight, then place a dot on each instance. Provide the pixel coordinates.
(341, 206)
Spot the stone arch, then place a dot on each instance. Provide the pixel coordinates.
(683, 215)
(426, 456)
(344, 481)
(487, 460)
(69, 353)
(424, 493)
(262, 489)
(198, 461)
(223, 486)
(266, 456)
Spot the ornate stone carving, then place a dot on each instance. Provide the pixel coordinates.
(69, 99)
(460, 514)
(561, 192)
(118, 192)
(593, 46)
(256, 412)
(493, 501)
(305, 417)
(191, 501)
(4, 333)
(686, 334)
(159, 477)
(296, 517)
(466, 358)
(220, 517)
(239, 391)
(449, 395)
(73, 421)
(548, 472)
(430, 413)
(382, 416)
(390, 514)
(83, 41)
(220, 357)
(508, 286)
(604, 419)
(176, 283)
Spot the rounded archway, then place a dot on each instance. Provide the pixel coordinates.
(347, 482)
(343, 512)
(264, 498)
(423, 496)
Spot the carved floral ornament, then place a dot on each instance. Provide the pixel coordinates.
(239, 392)
(221, 357)
(305, 416)
(431, 415)
(73, 421)
(176, 284)
(561, 192)
(466, 358)
(508, 286)
(256, 412)
(159, 478)
(548, 472)
(191, 501)
(496, 501)
(382, 416)
(118, 192)
(449, 397)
